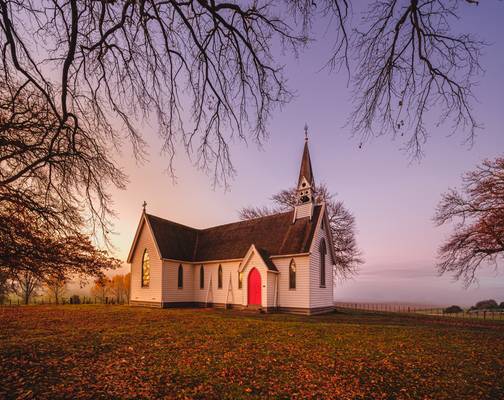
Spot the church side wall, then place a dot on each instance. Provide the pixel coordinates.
(229, 294)
(300, 296)
(171, 291)
(211, 293)
(151, 294)
(320, 297)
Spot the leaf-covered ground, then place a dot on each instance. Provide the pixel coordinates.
(94, 352)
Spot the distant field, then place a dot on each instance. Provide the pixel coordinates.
(100, 352)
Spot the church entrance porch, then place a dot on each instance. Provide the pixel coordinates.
(254, 288)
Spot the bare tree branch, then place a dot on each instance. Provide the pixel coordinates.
(73, 72)
(411, 64)
(478, 212)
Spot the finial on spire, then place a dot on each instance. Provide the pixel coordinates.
(306, 131)
(144, 205)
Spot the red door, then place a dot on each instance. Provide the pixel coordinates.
(254, 287)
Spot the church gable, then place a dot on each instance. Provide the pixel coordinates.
(323, 229)
(146, 266)
(257, 254)
(144, 233)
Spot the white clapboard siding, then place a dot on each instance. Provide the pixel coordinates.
(299, 297)
(171, 291)
(320, 297)
(230, 293)
(304, 210)
(271, 289)
(212, 293)
(153, 292)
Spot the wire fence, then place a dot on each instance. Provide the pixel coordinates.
(75, 299)
(490, 314)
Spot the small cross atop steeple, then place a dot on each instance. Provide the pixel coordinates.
(306, 131)
(144, 205)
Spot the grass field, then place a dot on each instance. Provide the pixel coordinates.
(95, 352)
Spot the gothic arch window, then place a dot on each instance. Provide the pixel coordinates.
(145, 269)
(323, 252)
(201, 277)
(240, 280)
(292, 275)
(180, 276)
(219, 277)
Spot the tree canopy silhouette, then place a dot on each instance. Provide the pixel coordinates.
(478, 213)
(32, 253)
(341, 222)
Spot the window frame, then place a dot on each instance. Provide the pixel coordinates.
(219, 277)
(323, 253)
(202, 277)
(145, 261)
(240, 280)
(292, 275)
(180, 277)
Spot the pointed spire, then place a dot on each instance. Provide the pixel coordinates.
(306, 170)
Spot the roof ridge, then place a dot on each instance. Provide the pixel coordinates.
(246, 220)
(217, 226)
(172, 222)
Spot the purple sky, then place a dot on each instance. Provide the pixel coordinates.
(392, 198)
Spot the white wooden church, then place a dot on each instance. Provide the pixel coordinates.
(282, 262)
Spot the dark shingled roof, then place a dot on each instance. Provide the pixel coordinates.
(306, 167)
(174, 240)
(267, 260)
(272, 235)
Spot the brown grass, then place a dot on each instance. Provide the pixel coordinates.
(101, 352)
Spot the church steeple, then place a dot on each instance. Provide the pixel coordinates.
(306, 185)
(306, 182)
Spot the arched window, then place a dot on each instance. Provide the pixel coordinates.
(292, 275)
(323, 252)
(219, 277)
(240, 280)
(180, 276)
(201, 277)
(145, 269)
